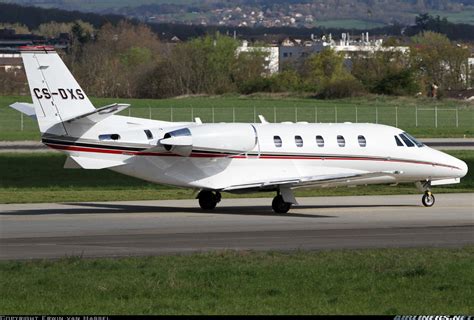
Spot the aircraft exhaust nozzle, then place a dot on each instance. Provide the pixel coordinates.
(230, 137)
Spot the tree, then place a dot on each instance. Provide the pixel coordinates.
(18, 27)
(328, 76)
(438, 61)
(385, 72)
(114, 64)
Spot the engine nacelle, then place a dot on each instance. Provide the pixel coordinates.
(219, 137)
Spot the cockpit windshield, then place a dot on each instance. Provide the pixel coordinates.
(418, 143)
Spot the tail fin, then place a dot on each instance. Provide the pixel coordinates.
(56, 95)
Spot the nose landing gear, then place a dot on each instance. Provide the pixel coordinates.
(208, 199)
(428, 199)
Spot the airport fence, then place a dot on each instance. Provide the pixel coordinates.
(403, 117)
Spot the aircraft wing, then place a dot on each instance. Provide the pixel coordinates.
(306, 181)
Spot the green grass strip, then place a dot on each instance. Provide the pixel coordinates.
(375, 281)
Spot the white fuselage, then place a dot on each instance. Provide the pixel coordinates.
(224, 156)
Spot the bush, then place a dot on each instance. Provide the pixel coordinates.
(342, 88)
(259, 84)
(399, 83)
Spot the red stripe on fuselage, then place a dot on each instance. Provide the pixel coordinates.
(220, 155)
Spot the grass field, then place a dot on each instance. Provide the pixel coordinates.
(464, 16)
(376, 281)
(47, 181)
(445, 118)
(349, 24)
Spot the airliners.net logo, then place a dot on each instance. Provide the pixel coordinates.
(434, 318)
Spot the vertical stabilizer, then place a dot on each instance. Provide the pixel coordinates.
(56, 94)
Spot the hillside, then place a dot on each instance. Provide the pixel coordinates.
(359, 14)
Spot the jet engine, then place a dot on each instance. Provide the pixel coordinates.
(229, 137)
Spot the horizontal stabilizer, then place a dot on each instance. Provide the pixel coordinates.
(73, 162)
(25, 108)
(99, 114)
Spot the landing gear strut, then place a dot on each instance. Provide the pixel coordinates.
(279, 205)
(428, 199)
(208, 199)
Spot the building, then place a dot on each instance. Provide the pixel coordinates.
(271, 59)
(295, 51)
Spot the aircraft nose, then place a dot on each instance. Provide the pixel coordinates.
(463, 166)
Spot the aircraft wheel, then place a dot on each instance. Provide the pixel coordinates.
(428, 199)
(208, 200)
(279, 205)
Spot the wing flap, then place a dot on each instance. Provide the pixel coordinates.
(319, 180)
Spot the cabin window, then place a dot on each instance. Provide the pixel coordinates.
(299, 141)
(399, 143)
(362, 141)
(149, 135)
(341, 141)
(407, 141)
(106, 137)
(277, 141)
(418, 143)
(320, 141)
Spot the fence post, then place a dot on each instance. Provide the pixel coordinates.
(21, 122)
(377, 115)
(233, 114)
(171, 114)
(296, 114)
(436, 117)
(254, 114)
(335, 114)
(149, 112)
(213, 118)
(416, 116)
(315, 114)
(396, 117)
(129, 111)
(457, 117)
(192, 114)
(274, 115)
(357, 118)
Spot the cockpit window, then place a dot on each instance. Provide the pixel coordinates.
(407, 141)
(277, 141)
(418, 143)
(399, 143)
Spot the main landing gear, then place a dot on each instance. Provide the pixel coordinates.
(428, 199)
(208, 199)
(279, 205)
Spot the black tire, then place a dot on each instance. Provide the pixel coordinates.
(207, 200)
(428, 199)
(279, 205)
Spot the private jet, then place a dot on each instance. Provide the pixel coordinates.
(224, 157)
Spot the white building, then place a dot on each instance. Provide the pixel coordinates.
(271, 58)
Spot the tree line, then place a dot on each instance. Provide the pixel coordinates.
(129, 61)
